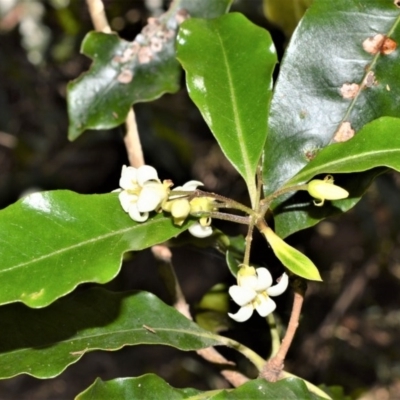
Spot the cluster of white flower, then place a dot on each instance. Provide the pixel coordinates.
(142, 192)
(253, 292)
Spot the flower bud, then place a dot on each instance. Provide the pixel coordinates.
(325, 190)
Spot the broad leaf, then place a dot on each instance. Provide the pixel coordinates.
(259, 389)
(124, 73)
(148, 386)
(91, 320)
(151, 386)
(229, 63)
(376, 145)
(329, 55)
(53, 241)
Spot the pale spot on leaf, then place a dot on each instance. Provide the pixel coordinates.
(397, 3)
(349, 90)
(344, 133)
(373, 44)
(370, 80)
(388, 46)
(36, 295)
(125, 76)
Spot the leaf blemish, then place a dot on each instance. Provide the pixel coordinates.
(388, 46)
(125, 76)
(36, 295)
(370, 80)
(373, 44)
(349, 90)
(344, 133)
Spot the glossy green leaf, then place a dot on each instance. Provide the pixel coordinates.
(291, 258)
(124, 73)
(259, 389)
(376, 145)
(326, 52)
(53, 241)
(229, 63)
(148, 386)
(44, 342)
(152, 387)
(309, 105)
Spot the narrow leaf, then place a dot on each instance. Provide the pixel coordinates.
(44, 342)
(291, 258)
(53, 241)
(229, 63)
(124, 73)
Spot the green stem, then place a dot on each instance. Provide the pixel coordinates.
(276, 340)
(229, 203)
(248, 353)
(265, 203)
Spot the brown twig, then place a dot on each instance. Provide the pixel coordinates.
(98, 16)
(164, 255)
(131, 139)
(274, 367)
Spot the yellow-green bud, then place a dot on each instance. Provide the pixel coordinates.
(325, 190)
(201, 204)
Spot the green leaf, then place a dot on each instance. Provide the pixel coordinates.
(148, 386)
(292, 259)
(259, 389)
(91, 320)
(124, 73)
(326, 52)
(53, 241)
(229, 63)
(375, 145)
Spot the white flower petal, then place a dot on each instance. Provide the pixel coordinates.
(200, 231)
(151, 196)
(264, 280)
(280, 287)
(248, 281)
(242, 295)
(192, 185)
(266, 306)
(243, 314)
(128, 177)
(146, 173)
(126, 200)
(136, 215)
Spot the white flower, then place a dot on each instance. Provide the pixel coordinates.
(180, 207)
(142, 191)
(200, 231)
(253, 292)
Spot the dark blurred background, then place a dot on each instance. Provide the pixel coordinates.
(349, 332)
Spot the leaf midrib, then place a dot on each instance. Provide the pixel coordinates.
(237, 120)
(77, 245)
